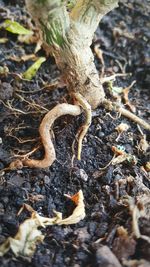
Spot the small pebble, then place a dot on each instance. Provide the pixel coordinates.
(46, 179)
(83, 175)
(100, 134)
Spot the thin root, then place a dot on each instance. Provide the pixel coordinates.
(29, 153)
(84, 128)
(113, 77)
(126, 98)
(134, 118)
(113, 106)
(44, 130)
(99, 54)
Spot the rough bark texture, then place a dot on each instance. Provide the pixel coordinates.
(69, 35)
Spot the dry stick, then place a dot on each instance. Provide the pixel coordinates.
(44, 130)
(113, 106)
(84, 128)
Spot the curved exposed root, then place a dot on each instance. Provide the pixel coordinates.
(134, 118)
(84, 128)
(113, 106)
(44, 130)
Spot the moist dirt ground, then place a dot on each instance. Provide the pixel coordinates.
(123, 37)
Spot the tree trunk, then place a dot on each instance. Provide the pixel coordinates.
(69, 32)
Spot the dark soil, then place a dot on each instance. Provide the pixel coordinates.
(93, 241)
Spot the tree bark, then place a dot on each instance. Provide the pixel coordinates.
(69, 34)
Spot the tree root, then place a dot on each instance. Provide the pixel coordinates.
(113, 77)
(44, 130)
(114, 106)
(134, 118)
(84, 128)
(74, 110)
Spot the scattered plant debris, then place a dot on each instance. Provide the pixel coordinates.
(28, 236)
(31, 72)
(15, 27)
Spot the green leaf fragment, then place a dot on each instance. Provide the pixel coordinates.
(117, 89)
(15, 27)
(31, 71)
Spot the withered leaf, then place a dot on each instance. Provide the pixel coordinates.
(25, 241)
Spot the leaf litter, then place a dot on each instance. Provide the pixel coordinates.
(32, 70)
(15, 27)
(28, 236)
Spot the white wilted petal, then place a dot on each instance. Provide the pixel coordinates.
(122, 127)
(28, 236)
(78, 213)
(25, 241)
